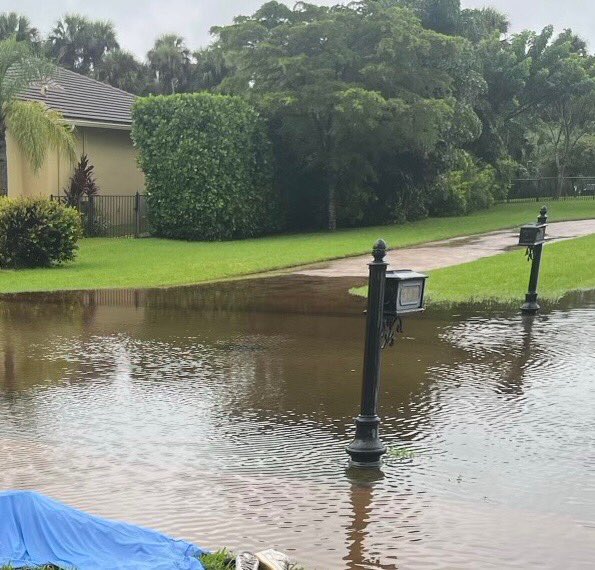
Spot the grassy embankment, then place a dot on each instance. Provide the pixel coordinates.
(566, 266)
(124, 263)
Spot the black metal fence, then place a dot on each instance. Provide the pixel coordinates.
(112, 216)
(123, 216)
(536, 189)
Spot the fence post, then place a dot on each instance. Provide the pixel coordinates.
(90, 215)
(137, 215)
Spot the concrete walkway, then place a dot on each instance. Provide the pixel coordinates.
(452, 251)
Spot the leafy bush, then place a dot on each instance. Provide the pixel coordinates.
(468, 187)
(208, 166)
(81, 183)
(35, 232)
(507, 170)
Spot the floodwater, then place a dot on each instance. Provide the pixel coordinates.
(220, 414)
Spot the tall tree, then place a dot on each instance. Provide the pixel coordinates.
(564, 124)
(33, 125)
(348, 86)
(169, 59)
(210, 68)
(439, 15)
(121, 69)
(481, 24)
(12, 25)
(525, 74)
(80, 44)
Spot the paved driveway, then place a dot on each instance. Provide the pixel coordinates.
(445, 253)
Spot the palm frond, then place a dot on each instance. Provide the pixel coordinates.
(37, 128)
(19, 68)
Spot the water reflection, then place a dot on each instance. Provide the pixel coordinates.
(361, 497)
(220, 414)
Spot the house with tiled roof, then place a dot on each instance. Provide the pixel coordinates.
(101, 116)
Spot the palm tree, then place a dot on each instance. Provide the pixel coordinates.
(210, 69)
(33, 125)
(79, 44)
(67, 40)
(170, 60)
(18, 27)
(102, 42)
(121, 69)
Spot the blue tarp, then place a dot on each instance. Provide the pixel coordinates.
(36, 530)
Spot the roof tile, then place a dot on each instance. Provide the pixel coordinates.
(81, 98)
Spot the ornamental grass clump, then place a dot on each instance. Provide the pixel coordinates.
(36, 232)
(208, 167)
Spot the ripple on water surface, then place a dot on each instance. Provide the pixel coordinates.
(225, 423)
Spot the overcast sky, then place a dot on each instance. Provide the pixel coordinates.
(139, 22)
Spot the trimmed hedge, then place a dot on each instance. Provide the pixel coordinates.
(35, 232)
(208, 166)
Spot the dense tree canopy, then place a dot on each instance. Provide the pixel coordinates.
(122, 70)
(80, 44)
(349, 89)
(19, 28)
(379, 110)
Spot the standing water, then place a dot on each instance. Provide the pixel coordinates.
(220, 414)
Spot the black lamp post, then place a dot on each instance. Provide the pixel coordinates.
(389, 296)
(533, 237)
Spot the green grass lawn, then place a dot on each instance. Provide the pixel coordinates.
(122, 263)
(565, 266)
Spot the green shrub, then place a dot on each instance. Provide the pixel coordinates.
(468, 187)
(208, 166)
(507, 170)
(35, 232)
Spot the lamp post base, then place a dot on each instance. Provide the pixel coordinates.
(530, 306)
(366, 449)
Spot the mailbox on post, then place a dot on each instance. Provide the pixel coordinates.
(404, 293)
(532, 235)
(391, 294)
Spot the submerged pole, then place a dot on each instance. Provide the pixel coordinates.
(531, 306)
(366, 449)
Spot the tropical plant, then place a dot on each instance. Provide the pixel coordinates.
(122, 70)
(81, 183)
(33, 126)
(169, 59)
(210, 68)
(15, 26)
(36, 232)
(80, 44)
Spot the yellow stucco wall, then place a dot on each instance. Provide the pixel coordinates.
(109, 150)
